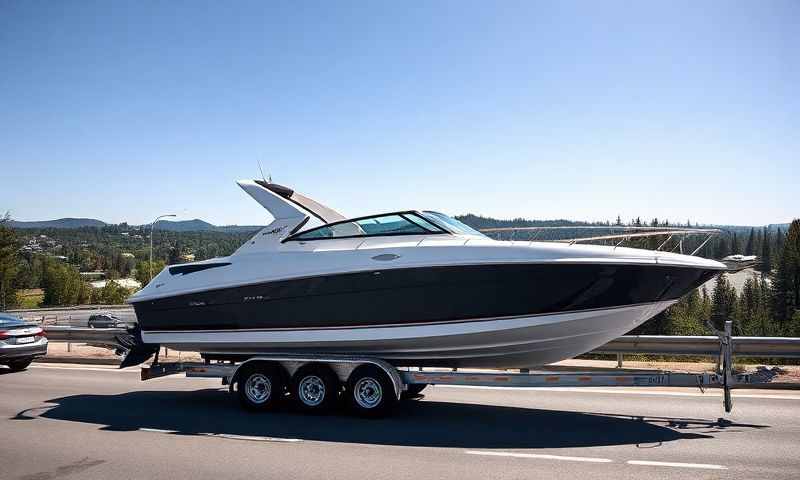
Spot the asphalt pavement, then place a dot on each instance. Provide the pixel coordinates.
(63, 421)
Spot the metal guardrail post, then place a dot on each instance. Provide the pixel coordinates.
(69, 322)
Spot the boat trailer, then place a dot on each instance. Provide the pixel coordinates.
(409, 380)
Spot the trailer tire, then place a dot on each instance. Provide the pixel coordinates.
(260, 386)
(370, 392)
(315, 388)
(413, 390)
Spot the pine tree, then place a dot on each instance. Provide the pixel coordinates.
(723, 302)
(749, 249)
(786, 279)
(766, 253)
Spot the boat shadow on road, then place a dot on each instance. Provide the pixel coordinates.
(413, 423)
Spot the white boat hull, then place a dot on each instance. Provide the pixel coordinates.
(521, 341)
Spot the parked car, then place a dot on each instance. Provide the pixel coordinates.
(106, 320)
(20, 342)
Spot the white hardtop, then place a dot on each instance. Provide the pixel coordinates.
(268, 256)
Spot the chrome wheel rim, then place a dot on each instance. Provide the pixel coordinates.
(311, 390)
(368, 392)
(258, 388)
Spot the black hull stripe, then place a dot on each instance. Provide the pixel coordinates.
(410, 324)
(420, 295)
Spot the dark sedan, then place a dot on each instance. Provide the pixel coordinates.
(20, 342)
(106, 320)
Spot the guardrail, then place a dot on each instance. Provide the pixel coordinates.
(786, 347)
(101, 336)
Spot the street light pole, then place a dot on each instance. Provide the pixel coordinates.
(151, 239)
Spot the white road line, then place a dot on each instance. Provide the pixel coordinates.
(539, 456)
(231, 436)
(252, 438)
(709, 393)
(706, 466)
(110, 368)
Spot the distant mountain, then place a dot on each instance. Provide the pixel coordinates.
(198, 225)
(195, 225)
(60, 223)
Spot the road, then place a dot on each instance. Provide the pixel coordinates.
(61, 421)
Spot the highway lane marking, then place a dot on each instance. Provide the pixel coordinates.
(231, 436)
(709, 393)
(157, 430)
(539, 456)
(648, 463)
(110, 368)
(705, 466)
(252, 438)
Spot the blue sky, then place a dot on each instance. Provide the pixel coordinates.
(584, 110)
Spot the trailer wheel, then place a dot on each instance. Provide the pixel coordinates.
(370, 391)
(315, 388)
(260, 386)
(413, 391)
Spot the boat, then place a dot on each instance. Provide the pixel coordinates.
(414, 288)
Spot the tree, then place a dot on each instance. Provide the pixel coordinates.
(723, 302)
(686, 317)
(62, 284)
(750, 247)
(142, 272)
(112, 294)
(8, 264)
(753, 312)
(766, 253)
(735, 244)
(786, 279)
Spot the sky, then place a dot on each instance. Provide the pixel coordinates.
(123, 111)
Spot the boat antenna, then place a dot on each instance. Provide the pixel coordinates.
(262, 172)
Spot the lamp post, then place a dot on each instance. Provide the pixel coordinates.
(151, 239)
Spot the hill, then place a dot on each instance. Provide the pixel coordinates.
(60, 223)
(195, 225)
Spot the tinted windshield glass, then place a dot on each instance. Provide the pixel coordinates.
(394, 224)
(451, 223)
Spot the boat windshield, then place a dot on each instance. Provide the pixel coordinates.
(451, 223)
(401, 223)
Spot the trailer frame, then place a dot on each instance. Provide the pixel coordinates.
(403, 377)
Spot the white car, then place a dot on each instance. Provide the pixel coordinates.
(20, 342)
